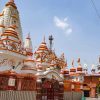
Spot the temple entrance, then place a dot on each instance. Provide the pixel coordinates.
(86, 93)
(50, 89)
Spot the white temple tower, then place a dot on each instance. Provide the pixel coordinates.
(12, 51)
(10, 16)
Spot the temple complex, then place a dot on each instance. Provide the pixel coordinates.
(42, 71)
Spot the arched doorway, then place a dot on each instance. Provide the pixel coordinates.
(86, 90)
(50, 89)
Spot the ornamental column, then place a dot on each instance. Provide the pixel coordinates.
(19, 85)
(38, 90)
(61, 91)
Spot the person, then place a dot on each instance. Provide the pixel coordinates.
(96, 95)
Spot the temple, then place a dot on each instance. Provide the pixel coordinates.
(41, 71)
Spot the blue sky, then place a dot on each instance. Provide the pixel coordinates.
(73, 24)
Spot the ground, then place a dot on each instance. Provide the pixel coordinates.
(92, 98)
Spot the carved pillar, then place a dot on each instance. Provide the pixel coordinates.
(39, 87)
(93, 92)
(19, 83)
(61, 91)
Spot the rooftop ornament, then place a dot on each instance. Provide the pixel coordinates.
(11, 1)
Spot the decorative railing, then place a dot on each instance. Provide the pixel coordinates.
(17, 95)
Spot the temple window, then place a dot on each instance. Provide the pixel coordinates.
(14, 22)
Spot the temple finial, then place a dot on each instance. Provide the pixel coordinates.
(99, 59)
(44, 39)
(66, 63)
(78, 61)
(11, 1)
(73, 63)
(28, 44)
(28, 36)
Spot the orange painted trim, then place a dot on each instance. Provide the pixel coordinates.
(28, 60)
(11, 31)
(28, 69)
(13, 51)
(17, 75)
(2, 26)
(29, 53)
(1, 14)
(7, 34)
(10, 40)
(11, 4)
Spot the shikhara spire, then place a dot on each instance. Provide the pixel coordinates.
(10, 17)
(28, 43)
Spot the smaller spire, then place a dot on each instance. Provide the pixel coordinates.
(62, 56)
(44, 39)
(28, 36)
(85, 68)
(78, 61)
(28, 43)
(99, 59)
(73, 63)
(66, 64)
(93, 69)
(11, 1)
(73, 69)
(93, 66)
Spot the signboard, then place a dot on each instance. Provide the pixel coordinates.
(11, 82)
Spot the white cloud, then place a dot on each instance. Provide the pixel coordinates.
(63, 25)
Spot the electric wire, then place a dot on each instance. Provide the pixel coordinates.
(95, 8)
